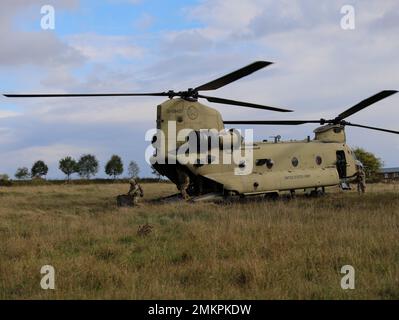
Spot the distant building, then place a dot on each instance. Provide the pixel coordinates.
(389, 174)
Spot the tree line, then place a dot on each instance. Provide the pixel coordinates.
(87, 166)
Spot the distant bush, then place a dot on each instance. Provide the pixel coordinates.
(4, 177)
(5, 180)
(22, 173)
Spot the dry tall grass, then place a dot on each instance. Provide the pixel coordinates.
(261, 250)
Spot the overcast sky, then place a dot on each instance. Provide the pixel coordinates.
(155, 45)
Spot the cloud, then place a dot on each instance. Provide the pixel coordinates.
(134, 2)
(256, 18)
(145, 21)
(100, 48)
(6, 136)
(59, 78)
(8, 113)
(42, 48)
(221, 17)
(99, 111)
(28, 138)
(194, 40)
(36, 48)
(11, 7)
(320, 69)
(50, 153)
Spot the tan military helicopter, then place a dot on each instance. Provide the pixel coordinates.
(276, 166)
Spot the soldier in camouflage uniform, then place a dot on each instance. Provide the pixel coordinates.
(135, 191)
(183, 183)
(360, 178)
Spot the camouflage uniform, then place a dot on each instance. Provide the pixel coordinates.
(361, 180)
(183, 183)
(135, 190)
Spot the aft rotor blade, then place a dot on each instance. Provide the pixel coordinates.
(242, 104)
(365, 103)
(233, 76)
(371, 128)
(69, 95)
(271, 122)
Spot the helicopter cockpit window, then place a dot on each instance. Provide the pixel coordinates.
(295, 161)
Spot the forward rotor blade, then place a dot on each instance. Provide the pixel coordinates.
(372, 128)
(271, 122)
(365, 103)
(233, 76)
(242, 104)
(67, 95)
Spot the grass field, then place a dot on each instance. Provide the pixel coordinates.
(258, 250)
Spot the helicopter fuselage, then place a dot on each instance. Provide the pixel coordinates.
(276, 166)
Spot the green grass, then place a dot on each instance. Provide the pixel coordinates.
(256, 250)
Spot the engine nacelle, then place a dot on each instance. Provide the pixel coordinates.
(331, 133)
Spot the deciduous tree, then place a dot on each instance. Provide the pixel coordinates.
(68, 166)
(87, 166)
(114, 166)
(22, 173)
(39, 169)
(372, 164)
(133, 169)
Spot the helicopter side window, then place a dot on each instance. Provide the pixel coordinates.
(267, 162)
(295, 161)
(261, 162)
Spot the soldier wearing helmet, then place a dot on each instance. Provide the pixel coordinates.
(135, 190)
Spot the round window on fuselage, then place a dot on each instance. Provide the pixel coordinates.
(295, 161)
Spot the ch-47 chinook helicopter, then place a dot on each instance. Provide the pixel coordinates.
(277, 166)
